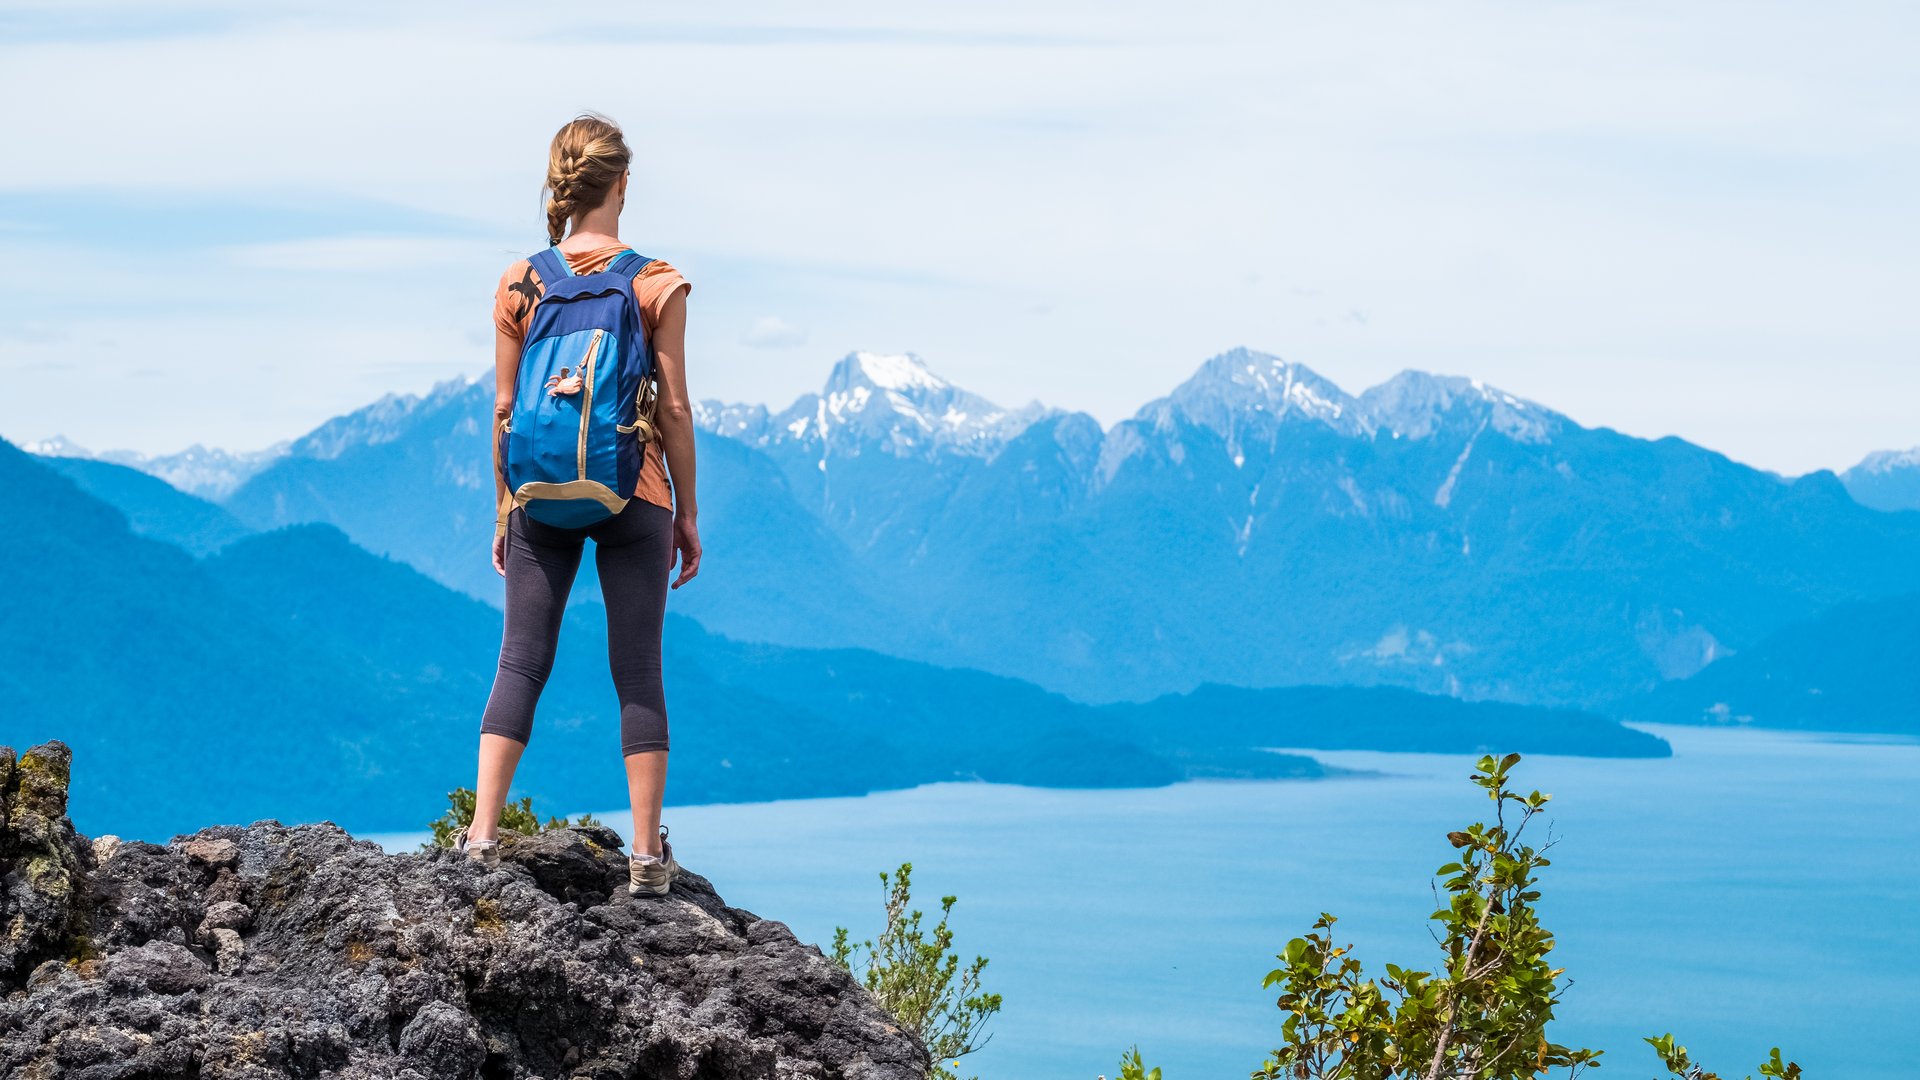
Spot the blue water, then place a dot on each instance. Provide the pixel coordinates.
(1756, 889)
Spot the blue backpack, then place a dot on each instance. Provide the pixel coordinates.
(582, 401)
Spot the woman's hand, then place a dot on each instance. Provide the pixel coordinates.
(686, 545)
(500, 555)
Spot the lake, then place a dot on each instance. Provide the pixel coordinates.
(1756, 889)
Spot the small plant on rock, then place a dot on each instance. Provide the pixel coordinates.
(919, 979)
(515, 817)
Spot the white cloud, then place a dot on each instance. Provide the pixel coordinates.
(361, 254)
(773, 332)
(1653, 217)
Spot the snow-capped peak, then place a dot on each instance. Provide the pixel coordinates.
(1416, 404)
(1241, 386)
(900, 372)
(1880, 461)
(57, 446)
(890, 399)
(743, 422)
(208, 472)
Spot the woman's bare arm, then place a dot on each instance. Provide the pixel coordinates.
(506, 368)
(674, 416)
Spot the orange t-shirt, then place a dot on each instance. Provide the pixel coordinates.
(520, 286)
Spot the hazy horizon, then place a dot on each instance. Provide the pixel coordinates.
(1695, 223)
(47, 442)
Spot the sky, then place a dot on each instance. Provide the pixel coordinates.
(225, 223)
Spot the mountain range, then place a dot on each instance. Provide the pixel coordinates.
(1256, 526)
(197, 470)
(292, 674)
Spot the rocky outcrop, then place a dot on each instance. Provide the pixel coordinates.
(42, 861)
(282, 951)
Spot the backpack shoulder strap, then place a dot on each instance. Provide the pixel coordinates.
(551, 265)
(630, 263)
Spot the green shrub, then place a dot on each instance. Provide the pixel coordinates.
(1132, 1068)
(515, 817)
(919, 980)
(1481, 1014)
(1678, 1064)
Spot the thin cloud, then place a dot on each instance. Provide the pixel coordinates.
(773, 332)
(358, 254)
(1586, 203)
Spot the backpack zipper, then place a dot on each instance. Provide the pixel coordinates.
(586, 407)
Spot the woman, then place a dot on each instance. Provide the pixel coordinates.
(634, 551)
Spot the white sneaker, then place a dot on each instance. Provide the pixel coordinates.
(484, 852)
(653, 877)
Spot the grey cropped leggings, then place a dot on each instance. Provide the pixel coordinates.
(631, 550)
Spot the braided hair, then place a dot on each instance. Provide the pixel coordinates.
(586, 160)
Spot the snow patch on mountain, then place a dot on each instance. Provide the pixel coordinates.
(902, 372)
(1887, 461)
(1886, 480)
(894, 403)
(1243, 392)
(743, 422)
(1417, 405)
(57, 446)
(1406, 646)
(890, 401)
(1246, 398)
(1444, 496)
(198, 470)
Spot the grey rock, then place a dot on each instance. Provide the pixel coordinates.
(271, 951)
(158, 967)
(570, 863)
(444, 1041)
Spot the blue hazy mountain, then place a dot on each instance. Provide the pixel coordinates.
(295, 675)
(131, 649)
(152, 506)
(410, 477)
(1854, 667)
(1257, 526)
(1339, 717)
(210, 473)
(407, 476)
(1886, 480)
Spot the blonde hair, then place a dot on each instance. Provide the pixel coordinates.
(587, 157)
